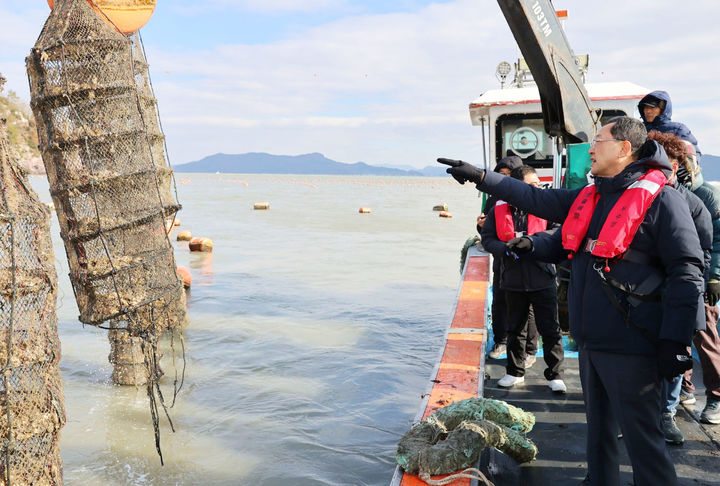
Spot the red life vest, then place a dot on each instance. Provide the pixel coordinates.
(622, 222)
(505, 227)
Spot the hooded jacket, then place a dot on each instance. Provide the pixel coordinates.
(663, 122)
(667, 236)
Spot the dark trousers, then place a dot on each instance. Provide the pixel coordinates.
(544, 303)
(624, 389)
(707, 343)
(529, 334)
(498, 307)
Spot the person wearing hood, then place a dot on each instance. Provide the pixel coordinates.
(505, 166)
(636, 289)
(677, 153)
(656, 112)
(707, 341)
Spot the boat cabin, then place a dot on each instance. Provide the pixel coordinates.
(512, 119)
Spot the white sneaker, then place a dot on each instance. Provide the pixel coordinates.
(557, 386)
(509, 381)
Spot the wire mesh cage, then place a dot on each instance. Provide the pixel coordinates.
(108, 179)
(149, 110)
(31, 401)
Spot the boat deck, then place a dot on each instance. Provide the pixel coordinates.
(560, 433)
(560, 427)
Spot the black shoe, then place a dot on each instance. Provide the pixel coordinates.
(670, 431)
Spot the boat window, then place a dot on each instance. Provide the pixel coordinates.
(523, 134)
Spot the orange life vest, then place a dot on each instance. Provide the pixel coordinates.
(505, 227)
(622, 222)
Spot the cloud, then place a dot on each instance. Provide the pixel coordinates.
(395, 88)
(382, 79)
(264, 6)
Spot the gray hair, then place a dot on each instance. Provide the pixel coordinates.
(630, 129)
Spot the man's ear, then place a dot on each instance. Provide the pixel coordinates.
(626, 150)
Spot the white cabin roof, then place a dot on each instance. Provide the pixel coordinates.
(597, 91)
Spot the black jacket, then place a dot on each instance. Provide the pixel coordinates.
(519, 275)
(703, 224)
(710, 196)
(666, 235)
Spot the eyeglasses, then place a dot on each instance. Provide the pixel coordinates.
(596, 140)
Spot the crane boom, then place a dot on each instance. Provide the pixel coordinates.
(567, 110)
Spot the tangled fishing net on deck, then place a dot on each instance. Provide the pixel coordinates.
(452, 438)
(103, 151)
(32, 408)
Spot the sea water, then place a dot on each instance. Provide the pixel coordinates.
(313, 333)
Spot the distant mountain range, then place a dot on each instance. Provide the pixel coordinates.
(315, 163)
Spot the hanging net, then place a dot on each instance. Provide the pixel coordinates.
(31, 401)
(103, 151)
(102, 172)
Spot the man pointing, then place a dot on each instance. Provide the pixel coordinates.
(635, 294)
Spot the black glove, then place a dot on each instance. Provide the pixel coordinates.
(712, 293)
(673, 359)
(519, 245)
(462, 171)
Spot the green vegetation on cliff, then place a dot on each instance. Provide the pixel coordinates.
(21, 130)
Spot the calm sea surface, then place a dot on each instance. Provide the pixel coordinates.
(313, 332)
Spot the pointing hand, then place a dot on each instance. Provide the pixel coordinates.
(463, 171)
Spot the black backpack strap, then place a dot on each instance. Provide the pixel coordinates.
(608, 282)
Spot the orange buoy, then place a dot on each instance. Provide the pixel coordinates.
(177, 221)
(201, 244)
(185, 276)
(184, 236)
(364, 211)
(261, 205)
(445, 214)
(126, 15)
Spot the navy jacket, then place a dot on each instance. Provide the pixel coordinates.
(523, 275)
(710, 196)
(663, 122)
(703, 224)
(667, 235)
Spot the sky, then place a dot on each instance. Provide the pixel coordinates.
(383, 82)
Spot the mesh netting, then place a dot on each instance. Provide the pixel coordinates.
(153, 127)
(452, 438)
(31, 401)
(110, 184)
(103, 150)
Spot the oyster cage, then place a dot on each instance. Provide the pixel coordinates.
(108, 174)
(32, 408)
